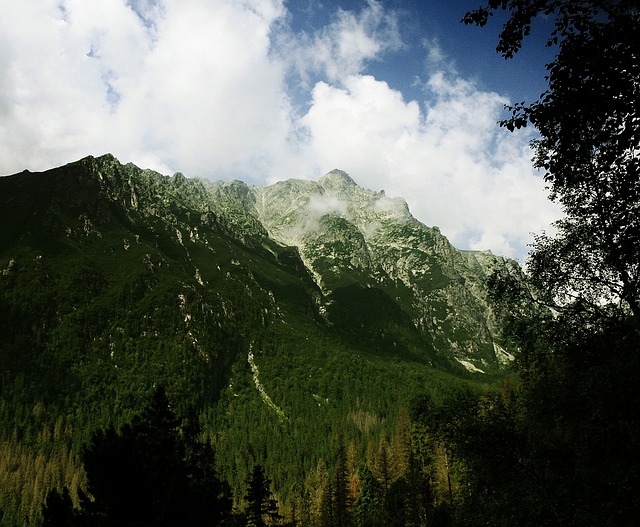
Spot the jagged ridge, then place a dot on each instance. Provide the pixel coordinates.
(349, 239)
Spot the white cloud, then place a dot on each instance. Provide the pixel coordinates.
(205, 87)
(321, 204)
(53, 94)
(213, 100)
(435, 56)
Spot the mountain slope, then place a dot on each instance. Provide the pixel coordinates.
(277, 312)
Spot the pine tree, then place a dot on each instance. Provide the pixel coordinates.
(317, 484)
(401, 445)
(327, 512)
(262, 507)
(367, 507)
(383, 472)
(342, 486)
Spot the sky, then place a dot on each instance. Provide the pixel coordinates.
(397, 93)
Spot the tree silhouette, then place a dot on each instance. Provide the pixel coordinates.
(588, 146)
(574, 420)
(58, 510)
(148, 473)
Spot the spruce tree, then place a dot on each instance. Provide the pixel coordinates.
(327, 512)
(262, 507)
(342, 486)
(367, 507)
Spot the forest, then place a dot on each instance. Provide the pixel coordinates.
(552, 443)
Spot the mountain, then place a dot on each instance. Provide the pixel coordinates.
(366, 251)
(277, 312)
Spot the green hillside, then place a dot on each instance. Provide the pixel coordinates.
(116, 280)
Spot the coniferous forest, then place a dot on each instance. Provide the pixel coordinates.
(105, 419)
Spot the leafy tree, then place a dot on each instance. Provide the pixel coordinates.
(555, 449)
(589, 134)
(480, 433)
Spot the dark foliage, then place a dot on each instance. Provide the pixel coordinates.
(555, 447)
(149, 473)
(58, 510)
(588, 145)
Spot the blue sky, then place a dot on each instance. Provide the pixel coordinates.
(397, 93)
(469, 50)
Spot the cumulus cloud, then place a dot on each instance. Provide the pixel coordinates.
(208, 88)
(185, 84)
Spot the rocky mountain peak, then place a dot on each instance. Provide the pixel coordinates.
(337, 181)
